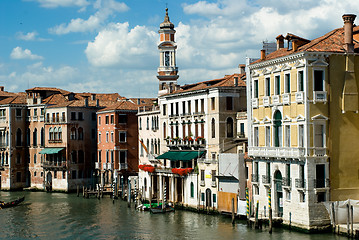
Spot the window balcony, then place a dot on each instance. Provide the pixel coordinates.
(286, 98)
(276, 99)
(123, 166)
(299, 97)
(255, 178)
(287, 182)
(321, 183)
(199, 113)
(266, 101)
(319, 96)
(107, 166)
(202, 183)
(255, 102)
(3, 119)
(214, 184)
(97, 165)
(266, 180)
(300, 183)
(319, 151)
(54, 165)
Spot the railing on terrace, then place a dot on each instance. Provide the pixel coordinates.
(123, 166)
(55, 120)
(199, 113)
(276, 151)
(148, 108)
(54, 164)
(207, 160)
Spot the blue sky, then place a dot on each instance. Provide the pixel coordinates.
(111, 45)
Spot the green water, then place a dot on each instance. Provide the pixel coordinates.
(66, 216)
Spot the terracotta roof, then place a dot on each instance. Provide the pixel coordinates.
(226, 81)
(143, 101)
(37, 89)
(330, 42)
(17, 98)
(121, 105)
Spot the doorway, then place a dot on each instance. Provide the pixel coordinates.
(278, 192)
(208, 197)
(48, 184)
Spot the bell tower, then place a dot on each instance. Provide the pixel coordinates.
(167, 71)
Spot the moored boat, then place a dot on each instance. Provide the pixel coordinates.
(12, 203)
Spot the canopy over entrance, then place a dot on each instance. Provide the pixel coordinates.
(181, 155)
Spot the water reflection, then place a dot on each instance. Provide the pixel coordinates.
(65, 216)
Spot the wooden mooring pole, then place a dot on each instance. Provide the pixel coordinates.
(83, 191)
(78, 190)
(150, 198)
(270, 211)
(233, 216)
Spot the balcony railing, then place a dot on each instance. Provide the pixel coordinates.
(255, 178)
(321, 183)
(300, 183)
(276, 152)
(123, 166)
(266, 179)
(286, 98)
(319, 96)
(299, 97)
(286, 182)
(276, 99)
(97, 165)
(54, 164)
(107, 166)
(255, 102)
(198, 113)
(207, 160)
(266, 101)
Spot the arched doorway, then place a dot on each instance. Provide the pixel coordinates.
(277, 120)
(48, 184)
(208, 197)
(278, 193)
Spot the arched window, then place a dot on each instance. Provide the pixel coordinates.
(74, 156)
(229, 127)
(42, 137)
(277, 129)
(35, 160)
(18, 137)
(158, 146)
(213, 128)
(34, 137)
(81, 133)
(60, 133)
(56, 135)
(51, 134)
(73, 134)
(192, 190)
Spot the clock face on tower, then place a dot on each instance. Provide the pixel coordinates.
(167, 59)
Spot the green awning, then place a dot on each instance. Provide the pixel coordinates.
(181, 155)
(51, 150)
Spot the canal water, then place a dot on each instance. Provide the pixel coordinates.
(66, 216)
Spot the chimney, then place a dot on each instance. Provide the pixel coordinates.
(348, 32)
(242, 68)
(294, 44)
(138, 101)
(263, 54)
(235, 79)
(2, 88)
(280, 41)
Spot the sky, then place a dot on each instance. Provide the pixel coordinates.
(110, 46)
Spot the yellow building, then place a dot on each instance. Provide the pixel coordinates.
(304, 123)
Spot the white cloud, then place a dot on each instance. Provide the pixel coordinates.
(62, 3)
(19, 53)
(30, 36)
(117, 45)
(105, 9)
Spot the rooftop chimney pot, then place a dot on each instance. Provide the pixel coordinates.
(348, 32)
(263, 54)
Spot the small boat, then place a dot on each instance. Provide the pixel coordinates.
(162, 210)
(12, 203)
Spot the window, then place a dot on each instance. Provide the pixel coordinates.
(229, 127)
(229, 103)
(42, 137)
(318, 80)
(189, 106)
(99, 156)
(18, 113)
(74, 156)
(112, 156)
(140, 123)
(255, 89)
(93, 116)
(34, 137)
(111, 136)
(99, 137)
(287, 136)
(63, 117)
(319, 135)
(202, 105)
(277, 85)
(73, 134)
(55, 134)
(34, 174)
(213, 175)
(107, 120)
(107, 136)
(18, 137)
(112, 119)
(122, 136)
(277, 129)
(147, 123)
(268, 136)
(73, 115)
(202, 175)
(55, 174)
(213, 128)
(255, 136)
(35, 112)
(60, 133)
(267, 86)
(164, 130)
(28, 137)
(122, 118)
(141, 153)
(192, 190)
(81, 156)
(300, 81)
(214, 198)
(287, 83)
(81, 133)
(213, 103)
(301, 135)
(164, 109)
(99, 120)
(18, 176)
(34, 158)
(81, 116)
(123, 156)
